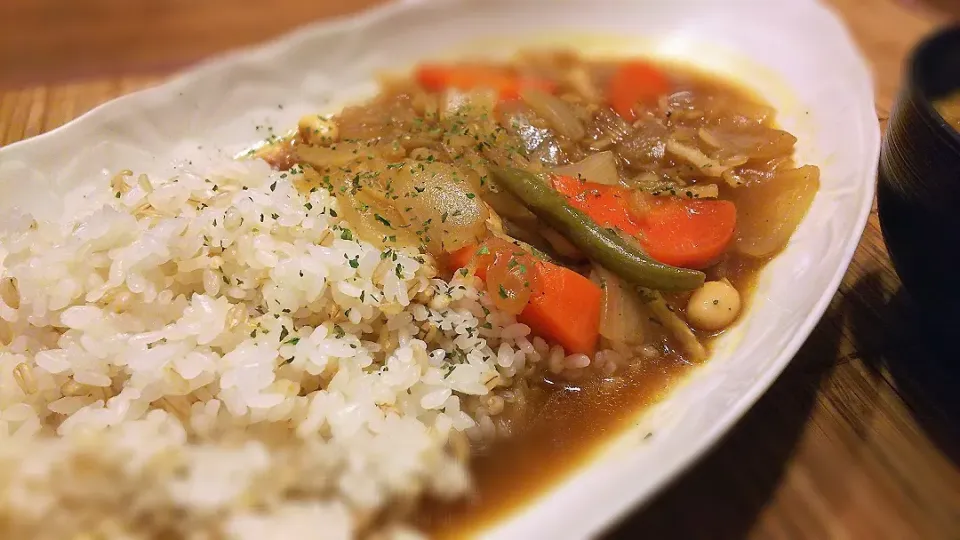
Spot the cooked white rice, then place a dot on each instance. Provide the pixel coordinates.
(217, 356)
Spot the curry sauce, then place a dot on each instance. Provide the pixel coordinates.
(593, 200)
(571, 423)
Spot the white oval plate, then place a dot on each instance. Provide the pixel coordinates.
(793, 52)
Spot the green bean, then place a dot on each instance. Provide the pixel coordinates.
(677, 327)
(601, 245)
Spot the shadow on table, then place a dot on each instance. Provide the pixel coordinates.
(897, 342)
(721, 496)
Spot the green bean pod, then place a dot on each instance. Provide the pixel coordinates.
(601, 245)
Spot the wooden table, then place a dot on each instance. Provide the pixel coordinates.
(860, 438)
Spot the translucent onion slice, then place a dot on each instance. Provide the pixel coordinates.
(622, 319)
(558, 113)
(600, 168)
(768, 212)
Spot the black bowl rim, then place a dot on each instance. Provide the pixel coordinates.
(915, 81)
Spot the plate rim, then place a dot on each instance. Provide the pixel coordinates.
(598, 521)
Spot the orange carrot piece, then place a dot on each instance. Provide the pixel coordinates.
(606, 205)
(634, 82)
(461, 259)
(480, 255)
(564, 308)
(688, 233)
(437, 77)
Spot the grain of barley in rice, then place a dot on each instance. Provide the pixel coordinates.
(316, 340)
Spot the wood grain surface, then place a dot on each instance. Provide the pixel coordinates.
(860, 437)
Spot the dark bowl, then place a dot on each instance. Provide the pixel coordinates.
(918, 190)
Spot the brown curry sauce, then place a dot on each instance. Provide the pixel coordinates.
(572, 422)
(566, 422)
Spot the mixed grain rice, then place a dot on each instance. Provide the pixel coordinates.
(217, 356)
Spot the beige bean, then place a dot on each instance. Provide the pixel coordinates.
(714, 306)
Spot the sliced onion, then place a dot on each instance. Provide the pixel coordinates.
(280, 154)
(580, 80)
(433, 205)
(710, 138)
(539, 142)
(653, 185)
(677, 327)
(440, 203)
(769, 212)
(700, 191)
(388, 117)
(622, 317)
(640, 203)
(600, 168)
(558, 113)
(359, 210)
(528, 237)
(648, 181)
(472, 103)
(561, 245)
(508, 206)
(334, 156)
(748, 142)
(661, 187)
(549, 154)
(695, 157)
(684, 105)
(317, 129)
(734, 111)
(611, 124)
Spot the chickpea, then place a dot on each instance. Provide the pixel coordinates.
(714, 306)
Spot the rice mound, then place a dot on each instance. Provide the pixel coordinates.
(218, 356)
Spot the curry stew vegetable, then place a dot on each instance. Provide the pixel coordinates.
(603, 202)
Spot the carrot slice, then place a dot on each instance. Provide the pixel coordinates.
(564, 307)
(635, 82)
(482, 256)
(688, 233)
(606, 205)
(462, 257)
(437, 77)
